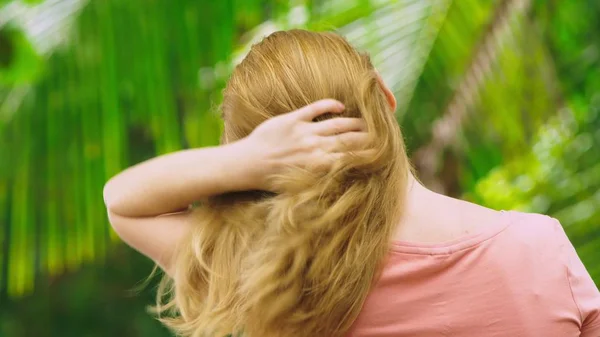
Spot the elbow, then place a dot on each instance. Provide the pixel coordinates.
(112, 197)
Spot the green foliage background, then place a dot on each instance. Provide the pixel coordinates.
(499, 102)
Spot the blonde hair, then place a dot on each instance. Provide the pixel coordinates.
(299, 263)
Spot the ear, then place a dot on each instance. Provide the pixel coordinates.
(388, 93)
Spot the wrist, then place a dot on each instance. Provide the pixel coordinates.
(248, 165)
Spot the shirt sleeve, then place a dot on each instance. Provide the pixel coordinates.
(585, 292)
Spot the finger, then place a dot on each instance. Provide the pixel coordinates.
(349, 141)
(327, 160)
(338, 125)
(311, 111)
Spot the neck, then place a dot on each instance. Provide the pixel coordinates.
(432, 217)
(419, 202)
(416, 191)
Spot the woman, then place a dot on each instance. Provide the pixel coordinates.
(309, 222)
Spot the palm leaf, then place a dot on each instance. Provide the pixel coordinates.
(446, 128)
(31, 33)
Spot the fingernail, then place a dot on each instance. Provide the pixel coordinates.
(341, 106)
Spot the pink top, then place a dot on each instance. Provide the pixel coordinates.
(519, 278)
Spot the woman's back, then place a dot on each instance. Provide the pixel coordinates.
(518, 277)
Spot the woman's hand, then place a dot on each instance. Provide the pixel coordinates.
(294, 140)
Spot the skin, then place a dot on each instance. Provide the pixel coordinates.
(148, 204)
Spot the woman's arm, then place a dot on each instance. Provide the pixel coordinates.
(172, 182)
(148, 203)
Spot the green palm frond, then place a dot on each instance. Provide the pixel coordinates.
(28, 34)
(493, 99)
(399, 36)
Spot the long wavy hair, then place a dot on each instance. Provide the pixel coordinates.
(299, 263)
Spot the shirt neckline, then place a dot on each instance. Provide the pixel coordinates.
(455, 245)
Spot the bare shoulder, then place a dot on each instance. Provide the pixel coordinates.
(534, 221)
(442, 219)
(535, 228)
(473, 218)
